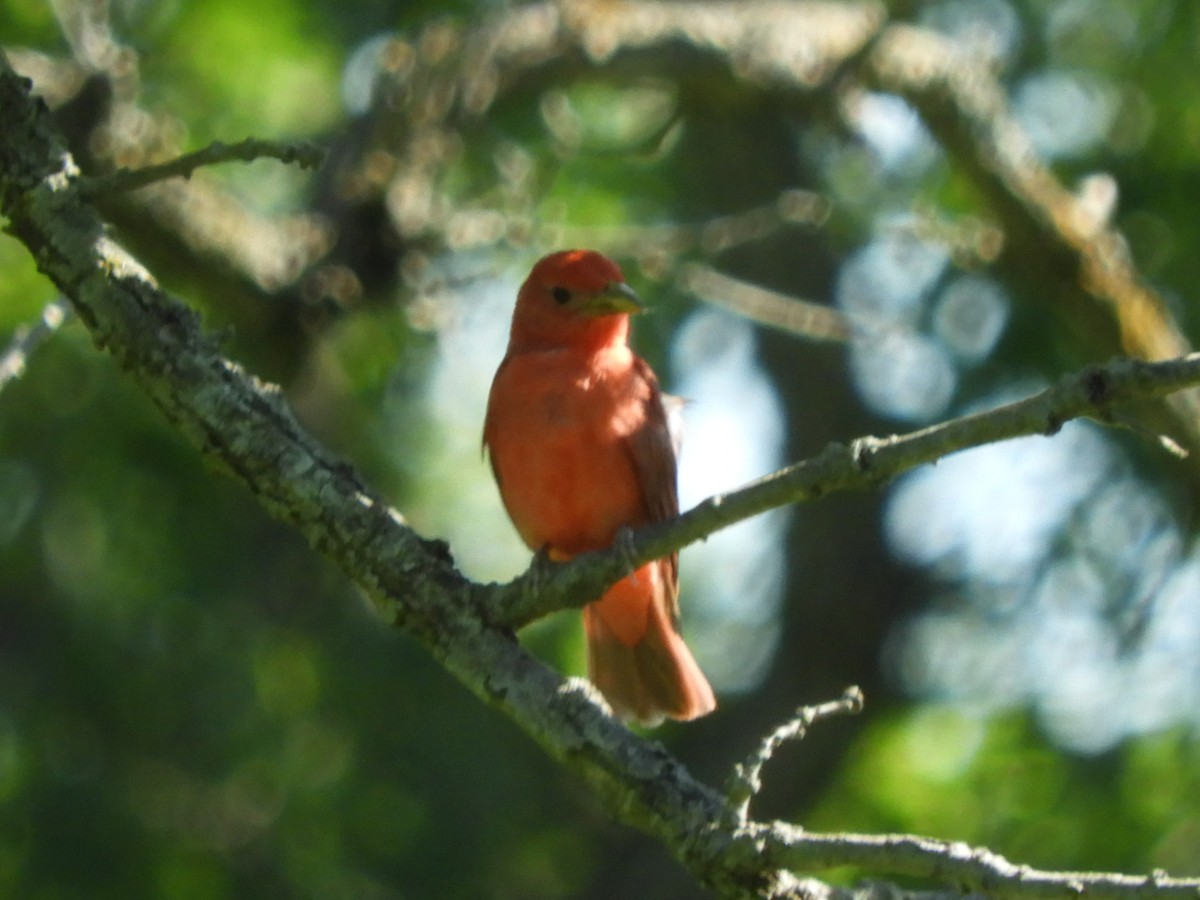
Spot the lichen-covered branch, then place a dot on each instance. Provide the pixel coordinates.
(245, 427)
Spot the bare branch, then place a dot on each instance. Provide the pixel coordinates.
(863, 463)
(307, 156)
(965, 106)
(973, 869)
(813, 321)
(746, 780)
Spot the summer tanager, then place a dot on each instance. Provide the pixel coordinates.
(578, 435)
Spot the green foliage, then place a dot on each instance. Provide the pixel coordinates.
(23, 292)
(236, 69)
(31, 22)
(182, 719)
(994, 781)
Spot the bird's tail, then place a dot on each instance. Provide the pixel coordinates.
(636, 656)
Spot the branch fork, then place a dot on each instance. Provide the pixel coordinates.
(746, 780)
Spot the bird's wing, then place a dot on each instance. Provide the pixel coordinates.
(653, 449)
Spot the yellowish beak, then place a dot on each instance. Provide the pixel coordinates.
(617, 297)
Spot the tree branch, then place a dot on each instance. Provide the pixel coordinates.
(964, 105)
(746, 780)
(245, 427)
(28, 338)
(307, 156)
(803, 318)
(865, 462)
(974, 869)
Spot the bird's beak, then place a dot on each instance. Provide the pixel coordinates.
(617, 297)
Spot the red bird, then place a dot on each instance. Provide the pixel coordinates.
(579, 441)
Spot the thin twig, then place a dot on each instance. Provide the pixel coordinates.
(746, 780)
(28, 338)
(973, 869)
(307, 156)
(803, 318)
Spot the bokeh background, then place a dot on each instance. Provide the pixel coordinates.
(194, 704)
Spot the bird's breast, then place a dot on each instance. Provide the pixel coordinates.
(557, 432)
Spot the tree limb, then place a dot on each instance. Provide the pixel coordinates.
(863, 463)
(966, 108)
(307, 156)
(974, 869)
(244, 425)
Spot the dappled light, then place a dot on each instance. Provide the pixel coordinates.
(733, 434)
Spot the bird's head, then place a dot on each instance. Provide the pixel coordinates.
(573, 298)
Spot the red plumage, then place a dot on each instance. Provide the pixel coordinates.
(579, 440)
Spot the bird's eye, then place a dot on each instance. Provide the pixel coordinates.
(561, 295)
